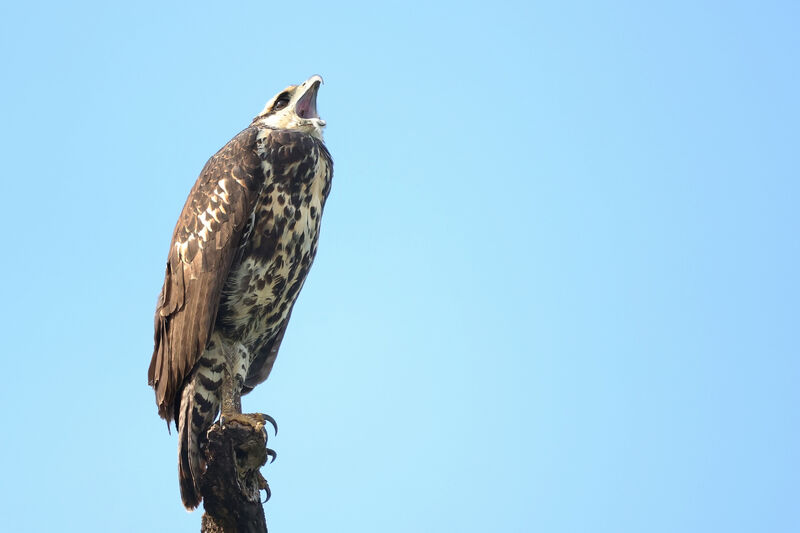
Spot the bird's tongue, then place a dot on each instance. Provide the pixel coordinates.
(307, 105)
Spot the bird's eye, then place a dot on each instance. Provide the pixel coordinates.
(281, 102)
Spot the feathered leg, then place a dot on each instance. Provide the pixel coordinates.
(238, 360)
(236, 364)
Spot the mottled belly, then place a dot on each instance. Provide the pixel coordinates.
(276, 258)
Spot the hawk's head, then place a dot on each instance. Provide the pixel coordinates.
(295, 108)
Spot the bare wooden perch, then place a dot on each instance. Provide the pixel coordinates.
(232, 482)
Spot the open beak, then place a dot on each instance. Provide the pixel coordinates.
(306, 106)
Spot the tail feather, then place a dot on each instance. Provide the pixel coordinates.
(189, 469)
(198, 409)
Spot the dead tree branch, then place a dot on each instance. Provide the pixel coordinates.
(232, 482)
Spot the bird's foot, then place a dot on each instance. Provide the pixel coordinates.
(254, 420)
(236, 452)
(249, 455)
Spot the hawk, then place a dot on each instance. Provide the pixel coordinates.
(239, 255)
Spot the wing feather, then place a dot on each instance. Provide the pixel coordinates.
(204, 246)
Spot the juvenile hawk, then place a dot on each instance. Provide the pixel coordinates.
(239, 256)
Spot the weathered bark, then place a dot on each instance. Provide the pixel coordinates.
(232, 482)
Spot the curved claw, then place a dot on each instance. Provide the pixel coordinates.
(272, 454)
(271, 420)
(263, 485)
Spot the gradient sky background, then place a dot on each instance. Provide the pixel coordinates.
(556, 289)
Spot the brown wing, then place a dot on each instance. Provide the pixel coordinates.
(203, 247)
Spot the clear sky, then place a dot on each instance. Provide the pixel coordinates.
(556, 288)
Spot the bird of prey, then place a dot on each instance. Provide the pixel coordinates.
(239, 255)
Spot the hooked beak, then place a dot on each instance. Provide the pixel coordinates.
(306, 106)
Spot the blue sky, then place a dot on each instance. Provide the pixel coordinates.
(556, 288)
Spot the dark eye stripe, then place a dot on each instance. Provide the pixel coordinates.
(282, 101)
